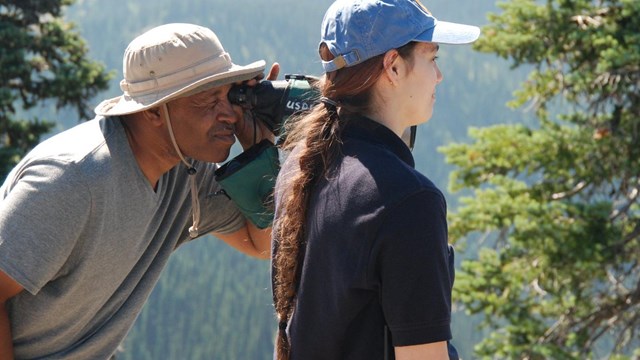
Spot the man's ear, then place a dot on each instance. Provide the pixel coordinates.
(154, 116)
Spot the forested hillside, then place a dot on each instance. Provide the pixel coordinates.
(213, 303)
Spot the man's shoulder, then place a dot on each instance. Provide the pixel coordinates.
(72, 154)
(75, 143)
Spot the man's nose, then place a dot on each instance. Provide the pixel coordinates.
(227, 112)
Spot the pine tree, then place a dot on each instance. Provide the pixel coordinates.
(42, 58)
(557, 201)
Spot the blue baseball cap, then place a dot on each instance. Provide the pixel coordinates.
(357, 30)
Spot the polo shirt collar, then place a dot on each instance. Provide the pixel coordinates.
(363, 128)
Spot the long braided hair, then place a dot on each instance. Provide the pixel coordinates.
(317, 135)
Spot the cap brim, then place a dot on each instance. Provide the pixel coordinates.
(124, 104)
(450, 33)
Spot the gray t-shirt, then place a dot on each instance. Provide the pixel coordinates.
(84, 233)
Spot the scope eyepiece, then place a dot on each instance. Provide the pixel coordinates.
(272, 102)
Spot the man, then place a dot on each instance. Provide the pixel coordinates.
(89, 218)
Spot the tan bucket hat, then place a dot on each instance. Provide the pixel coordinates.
(170, 61)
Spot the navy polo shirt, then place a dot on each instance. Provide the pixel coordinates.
(376, 254)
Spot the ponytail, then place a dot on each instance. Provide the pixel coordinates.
(320, 148)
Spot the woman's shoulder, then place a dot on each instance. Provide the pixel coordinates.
(386, 171)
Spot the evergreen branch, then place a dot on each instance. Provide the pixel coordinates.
(632, 197)
(562, 195)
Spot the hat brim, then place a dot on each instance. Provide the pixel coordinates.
(124, 104)
(450, 33)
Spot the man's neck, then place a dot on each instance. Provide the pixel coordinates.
(153, 157)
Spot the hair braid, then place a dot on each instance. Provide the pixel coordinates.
(321, 146)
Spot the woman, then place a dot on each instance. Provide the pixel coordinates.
(361, 264)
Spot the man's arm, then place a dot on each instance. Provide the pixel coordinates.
(249, 240)
(8, 289)
(433, 351)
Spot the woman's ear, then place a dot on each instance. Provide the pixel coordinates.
(391, 65)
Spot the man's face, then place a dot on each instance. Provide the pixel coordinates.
(203, 124)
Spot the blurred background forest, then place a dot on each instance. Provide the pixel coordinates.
(213, 303)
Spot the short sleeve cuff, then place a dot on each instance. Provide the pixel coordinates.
(406, 336)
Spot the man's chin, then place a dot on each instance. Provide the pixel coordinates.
(219, 159)
(215, 156)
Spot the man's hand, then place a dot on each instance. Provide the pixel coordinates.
(248, 131)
